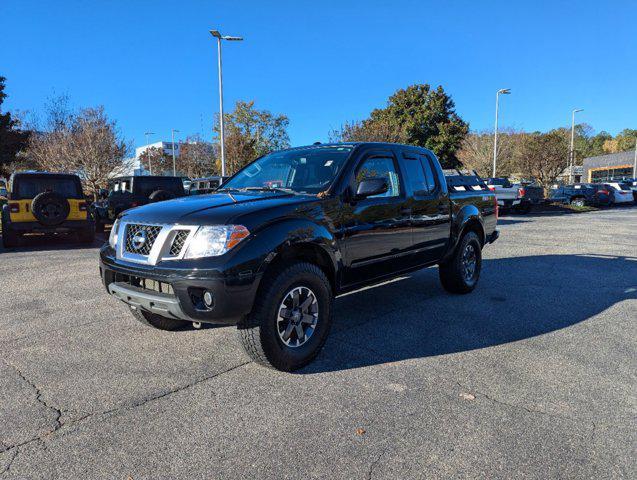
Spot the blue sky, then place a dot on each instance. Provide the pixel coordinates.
(152, 64)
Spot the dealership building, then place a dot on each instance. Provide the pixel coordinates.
(614, 166)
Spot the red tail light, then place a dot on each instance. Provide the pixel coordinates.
(14, 207)
(522, 192)
(603, 192)
(82, 206)
(492, 189)
(134, 204)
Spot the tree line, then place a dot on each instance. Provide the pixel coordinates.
(86, 141)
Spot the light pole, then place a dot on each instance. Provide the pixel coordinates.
(150, 164)
(635, 162)
(172, 133)
(219, 37)
(571, 177)
(503, 91)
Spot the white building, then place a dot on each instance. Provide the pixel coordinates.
(136, 168)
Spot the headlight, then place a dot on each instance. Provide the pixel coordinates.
(215, 240)
(112, 238)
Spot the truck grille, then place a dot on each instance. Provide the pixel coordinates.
(141, 238)
(178, 242)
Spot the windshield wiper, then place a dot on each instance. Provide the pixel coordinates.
(270, 189)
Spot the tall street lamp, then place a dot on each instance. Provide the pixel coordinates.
(172, 133)
(503, 91)
(219, 37)
(571, 154)
(150, 164)
(635, 162)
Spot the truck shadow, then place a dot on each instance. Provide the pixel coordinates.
(517, 298)
(34, 243)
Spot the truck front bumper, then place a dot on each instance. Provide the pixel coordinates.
(178, 294)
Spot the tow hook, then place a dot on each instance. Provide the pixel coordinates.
(196, 325)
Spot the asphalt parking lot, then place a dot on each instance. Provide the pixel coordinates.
(532, 375)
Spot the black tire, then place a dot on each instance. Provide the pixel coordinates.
(99, 227)
(578, 202)
(161, 195)
(523, 208)
(50, 208)
(260, 332)
(87, 235)
(453, 275)
(10, 239)
(157, 321)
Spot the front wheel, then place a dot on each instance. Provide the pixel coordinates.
(461, 272)
(577, 202)
(291, 318)
(10, 239)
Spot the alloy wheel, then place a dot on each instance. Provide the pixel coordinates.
(297, 317)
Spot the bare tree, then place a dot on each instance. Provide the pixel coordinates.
(86, 143)
(381, 130)
(155, 160)
(476, 152)
(196, 158)
(543, 156)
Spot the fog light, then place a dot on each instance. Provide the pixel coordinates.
(207, 299)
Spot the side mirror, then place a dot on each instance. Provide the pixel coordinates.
(369, 187)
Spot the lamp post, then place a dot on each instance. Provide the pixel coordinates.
(219, 37)
(172, 133)
(503, 91)
(635, 162)
(150, 165)
(571, 155)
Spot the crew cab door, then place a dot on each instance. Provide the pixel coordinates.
(376, 230)
(430, 207)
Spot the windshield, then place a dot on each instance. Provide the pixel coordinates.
(307, 170)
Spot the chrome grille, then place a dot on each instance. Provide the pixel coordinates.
(141, 238)
(178, 242)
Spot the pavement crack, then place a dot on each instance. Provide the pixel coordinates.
(39, 397)
(7, 467)
(372, 466)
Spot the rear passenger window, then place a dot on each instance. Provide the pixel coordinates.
(429, 174)
(415, 176)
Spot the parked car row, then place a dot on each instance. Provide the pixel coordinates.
(594, 194)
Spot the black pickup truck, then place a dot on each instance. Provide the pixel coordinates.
(289, 232)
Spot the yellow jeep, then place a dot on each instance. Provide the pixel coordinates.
(41, 202)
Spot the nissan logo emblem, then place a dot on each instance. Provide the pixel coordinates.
(139, 240)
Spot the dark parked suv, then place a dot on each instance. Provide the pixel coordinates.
(581, 194)
(128, 192)
(270, 250)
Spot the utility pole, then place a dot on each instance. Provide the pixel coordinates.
(172, 133)
(219, 37)
(503, 91)
(571, 177)
(635, 163)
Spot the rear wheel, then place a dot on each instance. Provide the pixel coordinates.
(10, 239)
(87, 235)
(577, 202)
(461, 272)
(157, 321)
(291, 318)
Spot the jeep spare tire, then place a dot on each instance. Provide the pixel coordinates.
(50, 208)
(161, 195)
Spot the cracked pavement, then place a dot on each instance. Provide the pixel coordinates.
(532, 375)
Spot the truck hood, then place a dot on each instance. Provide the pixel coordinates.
(212, 209)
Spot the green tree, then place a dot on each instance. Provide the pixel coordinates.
(12, 138)
(417, 115)
(626, 139)
(251, 133)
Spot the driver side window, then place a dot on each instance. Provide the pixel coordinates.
(379, 167)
